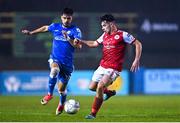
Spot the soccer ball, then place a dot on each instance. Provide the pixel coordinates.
(71, 106)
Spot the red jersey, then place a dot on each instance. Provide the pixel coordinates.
(114, 48)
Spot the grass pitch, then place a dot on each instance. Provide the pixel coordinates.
(116, 109)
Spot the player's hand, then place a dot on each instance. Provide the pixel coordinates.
(27, 32)
(135, 66)
(77, 41)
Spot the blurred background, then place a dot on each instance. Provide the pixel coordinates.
(23, 59)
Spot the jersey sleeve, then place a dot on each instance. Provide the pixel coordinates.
(128, 38)
(51, 27)
(100, 39)
(77, 34)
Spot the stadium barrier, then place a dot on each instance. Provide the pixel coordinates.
(137, 80)
(145, 81)
(162, 81)
(36, 83)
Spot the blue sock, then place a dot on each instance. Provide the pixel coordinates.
(62, 98)
(52, 83)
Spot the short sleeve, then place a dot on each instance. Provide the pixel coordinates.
(128, 38)
(51, 27)
(100, 39)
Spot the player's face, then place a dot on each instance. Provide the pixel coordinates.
(106, 26)
(66, 20)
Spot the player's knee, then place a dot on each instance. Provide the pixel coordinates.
(54, 72)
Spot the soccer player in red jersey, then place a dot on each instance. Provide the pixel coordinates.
(114, 42)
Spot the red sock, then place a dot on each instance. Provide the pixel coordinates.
(106, 91)
(96, 105)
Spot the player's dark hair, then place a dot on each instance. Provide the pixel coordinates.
(67, 11)
(107, 17)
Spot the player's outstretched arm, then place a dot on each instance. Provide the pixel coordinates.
(90, 43)
(39, 30)
(135, 64)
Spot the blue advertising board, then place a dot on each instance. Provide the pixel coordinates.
(162, 81)
(24, 82)
(36, 83)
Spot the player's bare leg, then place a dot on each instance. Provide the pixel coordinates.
(93, 86)
(98, 100)
(61, 90)
(107, 93)
(52, 82)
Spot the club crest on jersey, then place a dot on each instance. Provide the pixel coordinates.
(116, 37)
(68, 32)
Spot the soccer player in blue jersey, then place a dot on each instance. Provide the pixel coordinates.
(61, 57)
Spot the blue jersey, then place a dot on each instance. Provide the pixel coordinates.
(62, 50)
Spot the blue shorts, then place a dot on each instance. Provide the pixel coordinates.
(65, 71)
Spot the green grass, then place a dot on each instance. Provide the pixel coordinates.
(117, 109)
